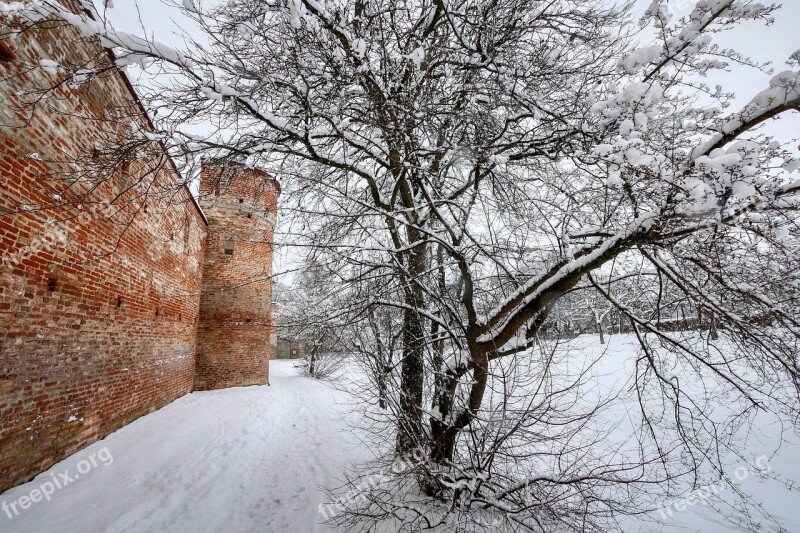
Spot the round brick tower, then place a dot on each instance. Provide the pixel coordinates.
(235, 334)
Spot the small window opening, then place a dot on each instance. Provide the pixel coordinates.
(249, 215)
(228, 245)
(52, 283)
(187, 228)
(158, 311)
(119, 302)
(124, 175)
(241, 200)
(247, 321)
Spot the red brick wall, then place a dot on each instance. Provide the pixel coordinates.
(235, 335)
(98, 324)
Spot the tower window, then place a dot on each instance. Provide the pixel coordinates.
(124, 176)
(228, 245)
(187, 228)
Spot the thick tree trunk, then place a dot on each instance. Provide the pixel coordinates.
(410, 432)
(444, 444)
(443, 437)
(446, 426)
(312, 361)
(443, 434)
(443, 431)
(712, 327)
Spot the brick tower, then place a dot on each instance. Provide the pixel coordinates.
(234, 337)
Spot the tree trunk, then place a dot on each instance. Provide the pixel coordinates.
(382, 365)
(443, 434)
(312, 361)
(712, 326)
(409, 431)
(445, 429)
(410, 434)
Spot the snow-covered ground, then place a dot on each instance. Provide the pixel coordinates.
(237, 460)
(767, 468)
(254, 459)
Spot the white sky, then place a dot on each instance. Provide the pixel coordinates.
(773, 43)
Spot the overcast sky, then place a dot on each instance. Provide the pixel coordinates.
(774, 43)
(763, 43)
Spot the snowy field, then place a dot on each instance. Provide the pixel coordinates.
(254, 458)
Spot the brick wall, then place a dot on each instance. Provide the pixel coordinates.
(235, 335)
(98, 304)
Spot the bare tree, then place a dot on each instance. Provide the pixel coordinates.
(467, 165)
(308, 315)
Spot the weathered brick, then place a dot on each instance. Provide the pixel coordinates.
(235, 334)
(104, 327)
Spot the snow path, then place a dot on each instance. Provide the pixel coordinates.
(235, 460)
